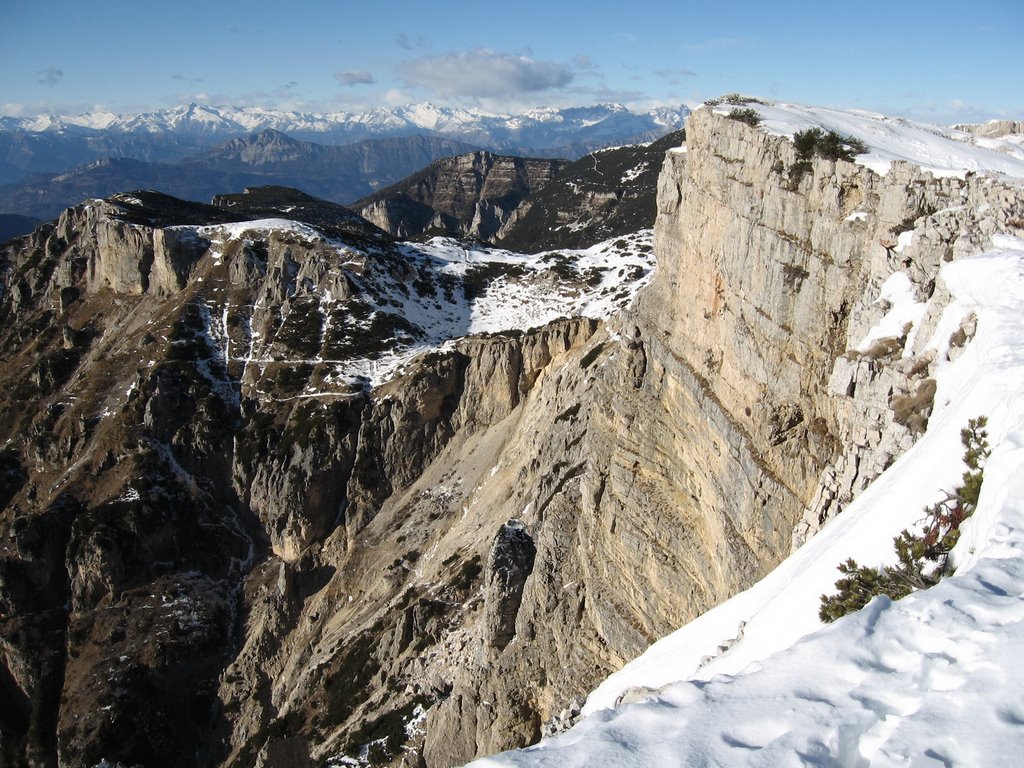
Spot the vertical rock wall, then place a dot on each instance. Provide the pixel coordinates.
(765, 285)
(676, 459)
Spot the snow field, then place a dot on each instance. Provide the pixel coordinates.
(518, 292)
(942, 151)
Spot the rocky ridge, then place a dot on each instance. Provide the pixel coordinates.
(471, 196)
(339, 174)
(290, 568)
(993, 128)
(150, 500)
(605, 194)
(527, 205)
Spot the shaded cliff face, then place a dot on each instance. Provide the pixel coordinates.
(471, 196)
(606, 194)
(527, 205)
(206, 524)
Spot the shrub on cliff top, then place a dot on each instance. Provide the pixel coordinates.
(736, 99)
(830, 145)
(745, 115)
(827, 144)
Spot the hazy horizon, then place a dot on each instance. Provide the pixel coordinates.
(917, 59)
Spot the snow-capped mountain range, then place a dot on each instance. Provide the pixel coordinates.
(35, 149)
(538, 129)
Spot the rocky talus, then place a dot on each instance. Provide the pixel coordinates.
(212, 552)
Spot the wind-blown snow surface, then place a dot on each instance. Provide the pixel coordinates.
(933, 679)
(943, 151)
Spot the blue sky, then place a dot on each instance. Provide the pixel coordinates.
(931, 60)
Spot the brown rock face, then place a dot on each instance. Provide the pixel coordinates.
(469, 195)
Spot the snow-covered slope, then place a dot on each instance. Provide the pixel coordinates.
(943, 151)
(933, 679)
(449, 289)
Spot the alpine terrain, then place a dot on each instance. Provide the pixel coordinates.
(279, 488)
(338, 174)
(48, 163)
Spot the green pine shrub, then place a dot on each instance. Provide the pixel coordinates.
(922, 559)
(814, 142)
(745, 115)
(924, 209)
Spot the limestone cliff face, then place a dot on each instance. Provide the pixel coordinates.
(771, 282)
(470, 195)
(729, 414)
(203, 526)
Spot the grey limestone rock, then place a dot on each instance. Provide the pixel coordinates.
(509, 564)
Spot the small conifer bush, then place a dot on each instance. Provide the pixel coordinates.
(922, 559)
(828, 144)
(745, 115)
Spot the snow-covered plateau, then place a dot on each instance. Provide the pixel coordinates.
(932, 679)
(941, 151)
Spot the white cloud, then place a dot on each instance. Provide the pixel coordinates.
(14, 109)
(482, 73)
(354, 77)
(395, 96)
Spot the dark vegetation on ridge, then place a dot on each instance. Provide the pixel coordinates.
(922, 559)
(606, 194)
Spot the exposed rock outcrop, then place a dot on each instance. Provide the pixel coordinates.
(606, 194)
(993, 128)
(773, 285)
(470, 195)
(509, 564)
